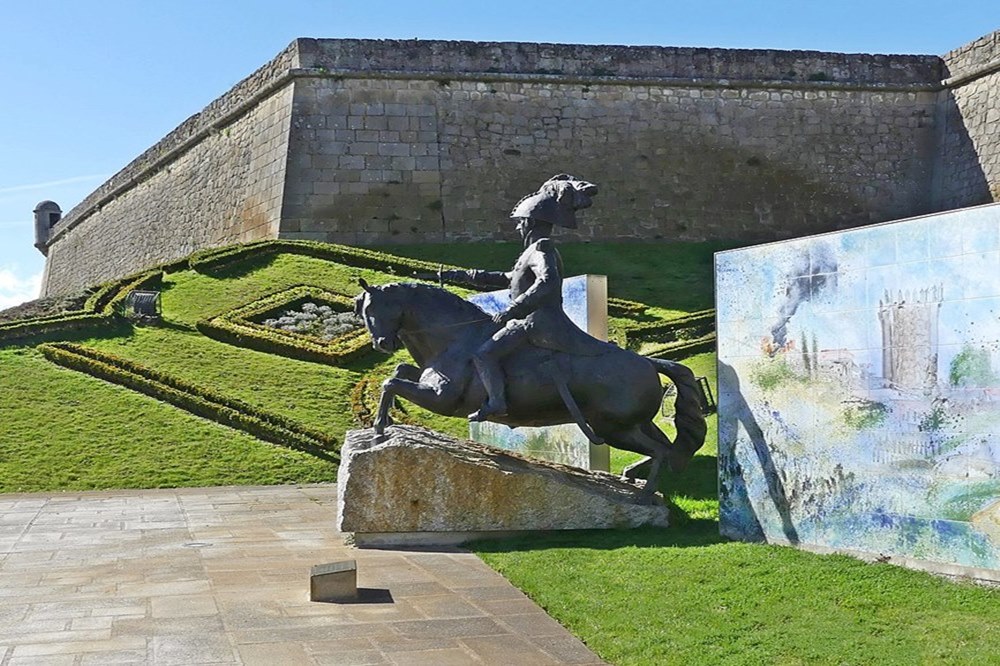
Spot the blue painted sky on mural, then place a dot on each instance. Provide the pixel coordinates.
(90, 84)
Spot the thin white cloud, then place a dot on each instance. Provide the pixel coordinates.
(16, 289)
(51, 183)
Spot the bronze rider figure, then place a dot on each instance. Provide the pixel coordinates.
(535, 315)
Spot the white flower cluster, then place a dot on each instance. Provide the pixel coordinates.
(318, 321)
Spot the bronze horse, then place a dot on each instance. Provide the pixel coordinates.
(613, 396)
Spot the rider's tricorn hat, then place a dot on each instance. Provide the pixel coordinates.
(556, 201)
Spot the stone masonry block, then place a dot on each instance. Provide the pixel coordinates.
(351, 162)
(426, 176)
(427, 163)
(394, 149)
(364, 148)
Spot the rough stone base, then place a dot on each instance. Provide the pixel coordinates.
(417, 486)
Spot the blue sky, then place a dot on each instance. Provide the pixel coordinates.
(87, 85)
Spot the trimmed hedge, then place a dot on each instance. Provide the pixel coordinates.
(689, 327)
(365, 397)
(196, 399)
(237, 328)
(100, 312)
(620, 307)
(676, 351)
(275, 301)
(211, 261)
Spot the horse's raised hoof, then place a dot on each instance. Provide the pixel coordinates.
(645, 492)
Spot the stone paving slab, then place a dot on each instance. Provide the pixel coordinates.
(221, 576)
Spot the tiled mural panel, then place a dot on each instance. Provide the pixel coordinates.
(859, 389)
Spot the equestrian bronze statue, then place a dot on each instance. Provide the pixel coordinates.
(529, 365)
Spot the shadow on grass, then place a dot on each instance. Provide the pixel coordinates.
(112, 328)
(699, 481)
(241, 267)
(692, 534)
(175, 326)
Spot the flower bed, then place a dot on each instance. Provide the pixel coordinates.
(244, 326)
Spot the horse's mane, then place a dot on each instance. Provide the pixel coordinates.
(418, 293)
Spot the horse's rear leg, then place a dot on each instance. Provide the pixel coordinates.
(637, 441)
(677, 460)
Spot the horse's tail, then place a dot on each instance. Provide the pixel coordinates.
(688, 418)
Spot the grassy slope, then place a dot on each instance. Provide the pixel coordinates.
(316, 395)
(62, 430)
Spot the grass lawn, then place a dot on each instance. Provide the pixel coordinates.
(63, 430)
(315, 395)
(683, 596)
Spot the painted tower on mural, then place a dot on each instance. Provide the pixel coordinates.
(910, 338)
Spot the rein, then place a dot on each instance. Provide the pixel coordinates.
(455, 325)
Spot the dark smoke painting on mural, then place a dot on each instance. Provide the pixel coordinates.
(859, 392)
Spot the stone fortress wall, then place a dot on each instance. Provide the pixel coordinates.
(968, 144)
(376, 141)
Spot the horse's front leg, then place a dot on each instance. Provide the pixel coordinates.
(404, 371)
(433, 393)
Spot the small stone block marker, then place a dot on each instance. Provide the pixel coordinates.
(336, 581)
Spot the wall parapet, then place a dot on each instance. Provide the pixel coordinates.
(583, 79)
(978, 58)
(574, 60)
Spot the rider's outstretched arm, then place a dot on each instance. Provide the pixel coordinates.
(478, 277)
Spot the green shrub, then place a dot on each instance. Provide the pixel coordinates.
(865, 414)
(620, 307)
(676, 351)
(214, 260)
(772, 372)
(693, 326)
(99, 314)
(972, 368)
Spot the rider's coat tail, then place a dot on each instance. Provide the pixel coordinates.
(688, 418)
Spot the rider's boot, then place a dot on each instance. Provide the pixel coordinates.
(492, 377)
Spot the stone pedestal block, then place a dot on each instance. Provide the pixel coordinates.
(414, 486)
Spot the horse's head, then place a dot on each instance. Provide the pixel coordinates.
(382, 316)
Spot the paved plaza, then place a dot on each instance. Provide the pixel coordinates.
(221, 576)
